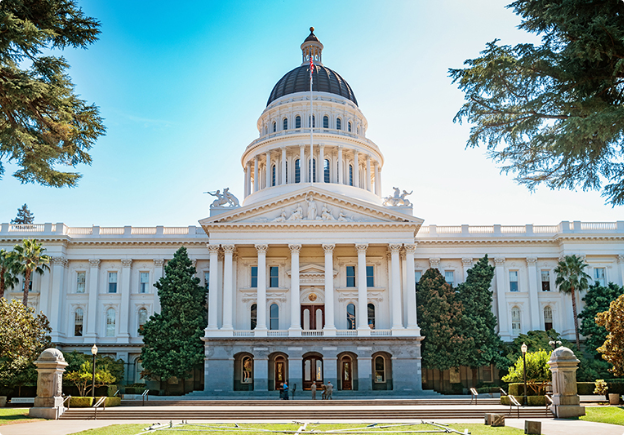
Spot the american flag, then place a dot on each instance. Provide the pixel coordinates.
(311, 65)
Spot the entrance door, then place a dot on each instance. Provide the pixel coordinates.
(280, 372)
(312, 371)
(312, 317)
(347, 373)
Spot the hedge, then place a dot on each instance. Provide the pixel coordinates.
(585, 388)
(504, 400)
(531, 400)
(615, 387)
(517, 389)
(112, 401)
(80, 402)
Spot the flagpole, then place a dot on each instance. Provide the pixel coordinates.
(311, 123)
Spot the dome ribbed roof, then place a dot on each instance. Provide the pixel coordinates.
(324, 80)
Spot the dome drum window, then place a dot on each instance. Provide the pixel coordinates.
(285, 124)
(298, 122)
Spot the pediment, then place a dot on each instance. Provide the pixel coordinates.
(310, 206)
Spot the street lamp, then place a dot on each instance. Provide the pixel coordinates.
(554, 344)
(524, 351)
(94, 352)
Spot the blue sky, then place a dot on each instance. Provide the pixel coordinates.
(181, 86)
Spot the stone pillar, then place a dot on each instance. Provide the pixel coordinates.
(295, 308)
(356, 169)
(246, 170)
(228, 288)
(321, 165)
(58, 284)
(50, 368)
(302, 165)
(362, 311)
(158, 273)
(256, 179)
(503, 323)
(284, 176)
(295, 370)
(368, 173)
(376, 174)
(261, 326)
(124, 315)
(261, 372)
(534, 276)
(94, 269)
(467, 264)
(340, 164)
(365, 372)
(397, 321)
(412, 321)
(566, 402)
(269, 174)
(620, 260)
(213, 285)
(330, 327)
(379, 174)
(330, 367)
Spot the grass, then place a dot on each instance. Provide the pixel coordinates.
(14, 415)
(134, 429)
(604, 414)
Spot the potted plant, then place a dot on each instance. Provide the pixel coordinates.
(614, 399)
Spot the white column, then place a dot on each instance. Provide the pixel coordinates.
(284, 165)
(321, 164)
(256, 179)
(261, 328)
(269, 177)
(228, 288)
(247, 178)
(379, 175)
(376, 172)
(94, 269)
(213, 287)
(124, 314)
(368, 173)
(302, 165)
(158, 273)
(340, 164)
(295, 307)
(58, 284)
(620, 260)
(397, 321)
(467, 264)
(534, 276)
(503, 326)
(356, 169)
(412, 322)
(362, 311)
(330, 327)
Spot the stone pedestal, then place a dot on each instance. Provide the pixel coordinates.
(50, 367)
(566, 402)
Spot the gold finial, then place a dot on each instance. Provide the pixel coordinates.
(311, 29)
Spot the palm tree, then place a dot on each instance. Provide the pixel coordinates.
(31, 259)
(9, 270)
(570, 278)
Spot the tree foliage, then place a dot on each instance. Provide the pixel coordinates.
(613, 348)
(172, 338)
(571, 278)
(478, 321)
(116, 367)
(597, 300)
(535, 340)
(43, 123)
(83, 377)
(24, 216)
(439, 317)
(9, 271)
(553, 113)
(30, 258)
(23, 336)
(537, 370)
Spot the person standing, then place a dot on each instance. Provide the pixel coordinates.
(285, 389)
(329, 389)
(313, 389)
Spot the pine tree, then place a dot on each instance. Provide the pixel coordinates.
(439, 317)
(172, 338)
(24, 216)
(478, 322)
(597, 300)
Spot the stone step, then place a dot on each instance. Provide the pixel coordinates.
(309, 402)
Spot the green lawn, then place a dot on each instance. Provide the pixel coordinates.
(604, 414)
(12, 415)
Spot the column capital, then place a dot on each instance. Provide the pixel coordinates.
(361, 247)
(467, 261)
(500, 261)
(410, 248)
(94, 262)
(159, 262)
(620, 258)
(213, 248)
(329, 248)
(60, 261)
(194, 262)
(434, 263)
(126, 262)
(229, 249)
(394, 247)
(531, 260)
(262, 249)
(294, 248)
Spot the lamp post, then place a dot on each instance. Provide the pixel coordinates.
(94, 350)
(554, 344)
(524, 351)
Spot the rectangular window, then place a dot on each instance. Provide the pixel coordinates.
(254, 276)
(112, 282)
(143, 282)
(350, 276)
(207, 280)
(486, 374)
(274, 276)
(370, 276)
(515, 321)
(513, 280)
(29, 285)
(449, 276)
(599, 276)
(417, 276)
(81, 278)
(545, 280)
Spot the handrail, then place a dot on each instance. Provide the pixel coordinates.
(58, 408)
(514, 402)
(116, 392)
(548, 401)
(503, 392)
(474, 395)
(145, 396)
(101, 401)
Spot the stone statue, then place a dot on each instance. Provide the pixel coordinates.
(311, 209)
(406, 202)
(223, 199)
(231, 199)
(398, 198)
(281, 217)
(344, 218)
(297, 215)
(326, 214)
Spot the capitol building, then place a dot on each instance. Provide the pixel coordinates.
(312, 274)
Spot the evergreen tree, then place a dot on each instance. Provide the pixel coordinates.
(24, 216)
(597, 300)
(9, 271)
(30, 258)
(439, 317)
(571, 278)
(43, 123)
(478, 322)
(613, 322)
(172, 338)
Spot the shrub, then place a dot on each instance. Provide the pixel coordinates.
(80, 402)
(112, 401)
(504, 400)
(601, 387)
(517, 389)
(536, 400)
(615, 387)
(585, 388)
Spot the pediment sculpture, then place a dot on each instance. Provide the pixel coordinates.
(225, 199)
(398, 199)
(312, 214)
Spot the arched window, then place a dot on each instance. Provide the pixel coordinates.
(78, 321)
(274, 126)
(266, 129)
(110, 322)
(142, 318)
(515, 321)
(326, 171)
(371, 316)
(285, 124)
(350, 175)
(274, 317)
(138, 368)
(273, 170)
(548, 318)
(247, 370)
(298, 122)
(338, 124)
(351, 316)
(254, 316)
(325, 121)
(380, 369)
(297, 171)
(349, 125)
(313, 177)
